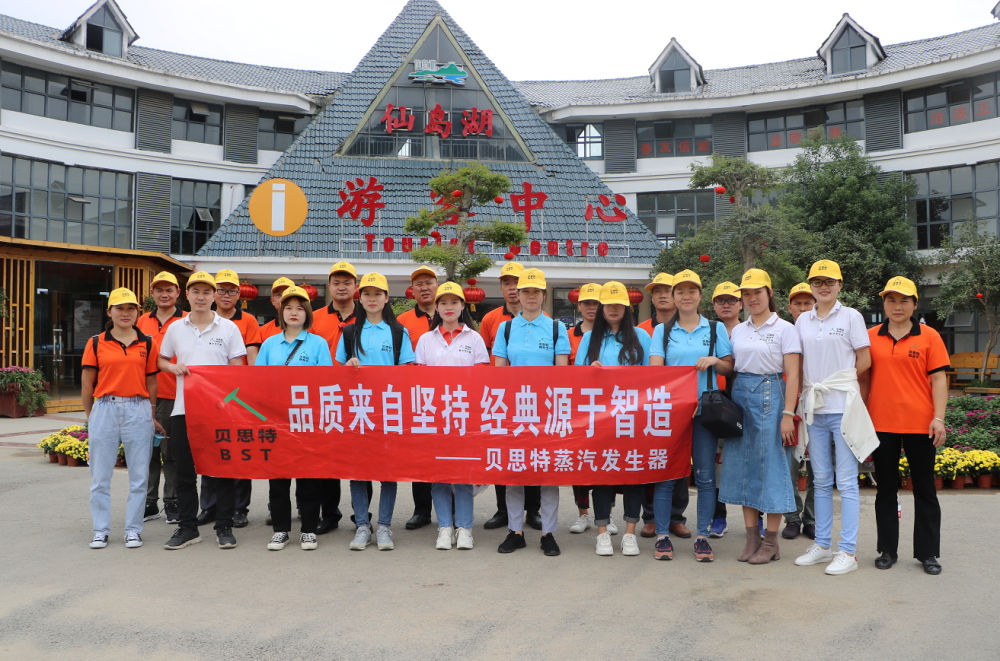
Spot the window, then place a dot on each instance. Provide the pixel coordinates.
(68, 99)
(785, 129)
(949, 196)
(53, 202)
(586, 139)
(675, 74)
(276, 131)
(849, 53)
(195, 214)
(104, 35)
(673, 216)
(674, 137)
(951, 104)
(195, 121)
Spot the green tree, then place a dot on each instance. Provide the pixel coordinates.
(970, 279)
(478, 187)
(739, 176)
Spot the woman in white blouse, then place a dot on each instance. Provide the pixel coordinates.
(754, 466)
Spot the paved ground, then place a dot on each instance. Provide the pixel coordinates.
(61, 600)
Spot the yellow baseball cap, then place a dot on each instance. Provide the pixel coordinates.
(227, 275)
(824, 268)
(202, 277)
(614, 293)
(590, 292)
(801, 288)
(687, 275)
(755, 279)
(512, 269)
(344, 267)
(449, 288)
(423, 269)
(164, 276)
(281, 283)
(661, 279)
(531, 278)
(373, 279)
(296, 292)
(122, 296)
(900, 285)
(726, 289)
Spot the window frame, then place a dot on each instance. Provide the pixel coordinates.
(931, 213)
(268, 137)
(859, 48)
(798, 123)
(189, 202)
(651, 214)
(660, 138)
(189, 125)
(102, 25)
(674, 64)
(587, 140)
(952, 103)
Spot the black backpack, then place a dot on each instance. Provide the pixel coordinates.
(397, 341)
(555, 337)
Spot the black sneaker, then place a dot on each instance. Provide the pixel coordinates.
(183, 537)
(171, 513)
(152, 512)
(240, 520)
(512, 543)
(226, 539)
(206, 516)
(549, 545)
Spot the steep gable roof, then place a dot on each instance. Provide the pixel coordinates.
(116, 12)
(845, 21)
(675, 46)
(315, 163)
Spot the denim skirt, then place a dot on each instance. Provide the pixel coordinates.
(754, 466)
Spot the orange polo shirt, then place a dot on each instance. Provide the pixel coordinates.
(900, 401)
(417, 322)
(166, 383)
(328, 324)
(249, 330)
(121, 370)
(575, 337)
(269, 329)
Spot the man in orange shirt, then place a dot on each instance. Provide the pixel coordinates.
(661, 296)
(271, 327)
(587, 304)
(417, 321)
(165, 290)
(329, 322)
(227, 295)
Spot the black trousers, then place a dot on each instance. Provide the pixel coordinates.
(328, 494)
(920, 453)
(187, 482)
(604, 500)
(243, 492)
(422, 501)
(532, 499)
(307, 494)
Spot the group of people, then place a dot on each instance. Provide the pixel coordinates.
(858, 392)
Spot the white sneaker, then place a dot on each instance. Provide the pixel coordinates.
(604, 546)
(385, 539)
(843, 563)
(278, 541)
(100, 541)
(630, 546)
(308, 541)
(444, 538)
(132, 540)
(362, 538)
(464, 538)
(584, 523)
(612, 528)
(814, 555)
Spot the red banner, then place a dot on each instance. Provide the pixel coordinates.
(511, 425)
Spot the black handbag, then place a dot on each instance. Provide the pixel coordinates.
(719, 413)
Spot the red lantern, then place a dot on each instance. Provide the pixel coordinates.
(471, 282)
(310, 290)
(705, 259)
(433, 194)
(498, 199)
(720, 190)
(508, 256)
(634, 296)
(979, 295)
(357, 294)
(474, 295)
(435, 235)
(456, 193)
(732, 199)
(248, 292)
(409, 293)
(574, 296)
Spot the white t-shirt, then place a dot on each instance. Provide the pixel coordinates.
(467, 348)
(762, 350)
(829, 346)
(217, 345)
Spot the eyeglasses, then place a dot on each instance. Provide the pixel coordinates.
(822, 283)
(726, 301)
(229, 292)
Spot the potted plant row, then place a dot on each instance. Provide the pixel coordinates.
(68, 446)
(23, 391)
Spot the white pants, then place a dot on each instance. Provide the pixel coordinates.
(549, 508)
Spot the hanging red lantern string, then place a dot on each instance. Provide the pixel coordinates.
(473, 294)
(248, 292)
(409, 293)
(574, 296)
(498, 199)
(508, 256)
(705, 259)
(312, 292)
(732, 199)
(720, 190)
(634, 296)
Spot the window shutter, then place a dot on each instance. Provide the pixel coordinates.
(240, 139)
(883, 121)
(619, 146)
(152, 124)
(152, 212)
(729, 130)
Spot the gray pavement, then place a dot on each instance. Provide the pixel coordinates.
(61, 600)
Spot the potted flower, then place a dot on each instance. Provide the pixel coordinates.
(939, 472)
(48, 446)
(22, 392)
(803, 481)
(982, 463)
(904, 473)
(76, 451)
(121, 457)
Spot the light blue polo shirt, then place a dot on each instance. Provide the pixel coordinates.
(531, 342)
(686, 348)
(313, 351)
(611, 348)
(377, 342)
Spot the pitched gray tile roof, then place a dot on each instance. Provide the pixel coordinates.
(759, 77)
(251, 75)
(312, 163)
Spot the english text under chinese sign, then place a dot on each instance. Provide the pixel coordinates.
(512, 425)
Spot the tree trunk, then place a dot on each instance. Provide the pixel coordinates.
(992, 322)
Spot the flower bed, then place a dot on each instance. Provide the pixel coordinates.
(973, 422)
(73, 443)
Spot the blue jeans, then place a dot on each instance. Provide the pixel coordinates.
(441, 494)
(386, 502)
(703, 447)
(114, 421)
(827, 446)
